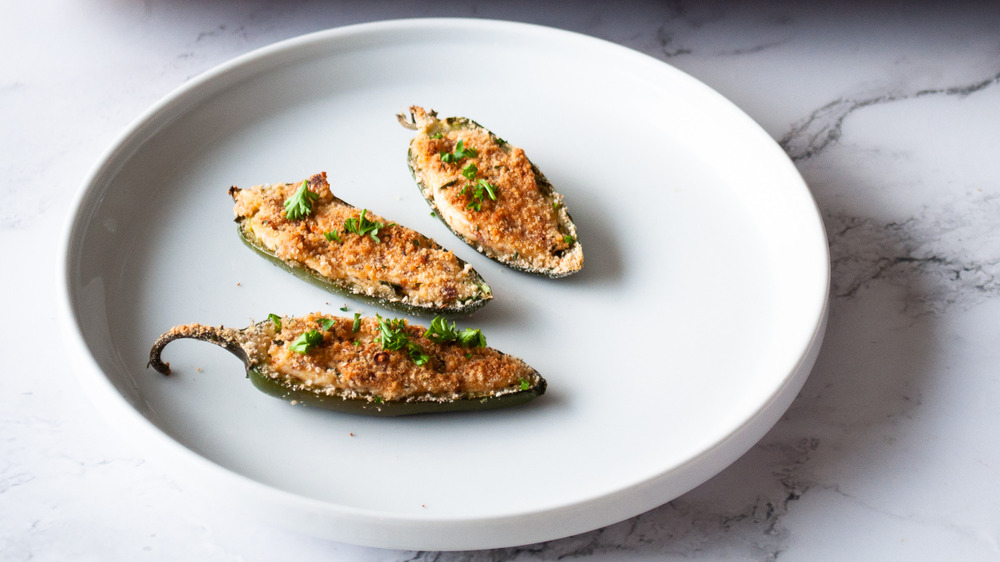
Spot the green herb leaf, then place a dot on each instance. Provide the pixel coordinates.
(480, 190)
(417, 355)
(305, 342)
(344, 308)
(331, 236)
(377, 399)
(300, 203)
(470, 171)
(569, 239)
(327, 323)
(461, 151)
(472, 338)
(356, 342)
(525, 385)
(489, 187)
(440, 332)
(277, 321)
(437, 135)
(391, 333)
(362, 226)
(393, 337)
(357, 322)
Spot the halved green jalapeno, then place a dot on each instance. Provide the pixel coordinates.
(490, 195)
(306, 230)
(370, 366)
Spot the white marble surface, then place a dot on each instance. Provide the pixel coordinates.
(892, 114)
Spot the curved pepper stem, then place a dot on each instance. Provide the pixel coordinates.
(410, 123)
(231, 339)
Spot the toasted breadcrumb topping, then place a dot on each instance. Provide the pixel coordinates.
(403, 266)
(526, 225)
(338, 366)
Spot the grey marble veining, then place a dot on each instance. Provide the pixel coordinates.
(890, 111)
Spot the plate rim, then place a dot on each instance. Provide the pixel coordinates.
(367, 526)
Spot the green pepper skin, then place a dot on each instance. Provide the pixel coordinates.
(247, 345)
(363, 406)
(343, 288)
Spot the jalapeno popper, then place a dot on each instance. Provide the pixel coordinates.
(305, 229)
(371, 366)
(491, 196)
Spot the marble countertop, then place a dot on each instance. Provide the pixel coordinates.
(890, 112)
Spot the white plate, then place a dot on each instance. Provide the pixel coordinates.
(693, 324)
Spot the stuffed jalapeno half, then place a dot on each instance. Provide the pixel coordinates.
(491, 196)
(308, 231)
(371, 366)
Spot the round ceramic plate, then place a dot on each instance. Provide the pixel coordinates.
(693, 324)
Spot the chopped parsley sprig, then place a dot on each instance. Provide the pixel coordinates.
(300, 203)
(480, 190)
(307, 341)
(393, 337)
(461, 151)
(362, 226)
(277, 321)
(440, 332)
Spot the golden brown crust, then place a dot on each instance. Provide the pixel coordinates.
(527, 225)
(340, 366)
(403, 265)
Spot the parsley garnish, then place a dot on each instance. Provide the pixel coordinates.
(470, 171)
(478, 190)
(300, 203)
(437, 136)
(524, 385)
(357, 322)
(305, 342)
(362, 226)
(331, 236)
(377, 399)
(277, 321)
(460, 152)
(441, 332)
(472, 338)
(344, 308)
(327, 323)
(568, 239)
(393, 337)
